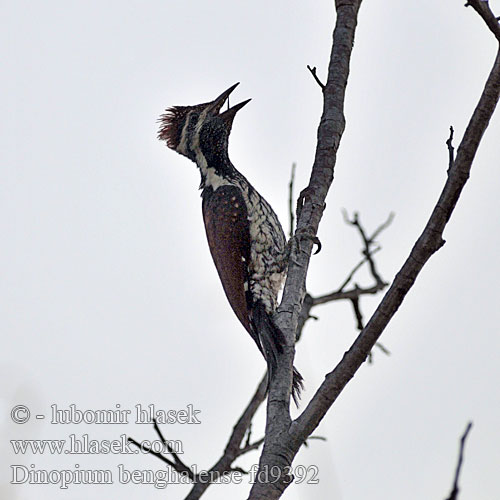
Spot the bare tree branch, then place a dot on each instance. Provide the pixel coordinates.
(278, 451)
(368, 252)
(352, 294)
(232, 451)
(284, 437)
(483, 9)
(429, 242)
(455, 489)
(342, 294)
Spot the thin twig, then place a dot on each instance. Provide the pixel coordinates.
(249, 434)
(348, 294)
(250, 446)
(383, 348)
(360, 325)
(181, 466)
(368, 241)
(154, 453)
(455, 489)
(451, 149)
(354, 270)
(290, 199)
(382, 226)
(313, 73)
(310, 438)
(357, 312)
(177, 464)
(351, 274)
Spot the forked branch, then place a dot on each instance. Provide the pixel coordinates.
(429, 242)
(283, 436)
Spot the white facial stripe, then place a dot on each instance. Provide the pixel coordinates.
(197, 129)
(182, 145)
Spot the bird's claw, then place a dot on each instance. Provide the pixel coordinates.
(316, 242)
(310, 237)
(294, 242)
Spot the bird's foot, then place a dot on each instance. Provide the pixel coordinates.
(293, 247)
(310, 237)
(297, 238)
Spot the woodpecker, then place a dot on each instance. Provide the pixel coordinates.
(245, 237)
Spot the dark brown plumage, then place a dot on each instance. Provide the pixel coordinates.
(244, 235)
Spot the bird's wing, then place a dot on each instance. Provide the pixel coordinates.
(226, 223)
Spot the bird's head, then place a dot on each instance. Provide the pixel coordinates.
(199, 129)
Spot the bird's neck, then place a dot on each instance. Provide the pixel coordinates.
(216, 169)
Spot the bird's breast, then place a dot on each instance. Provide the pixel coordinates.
(267, 264)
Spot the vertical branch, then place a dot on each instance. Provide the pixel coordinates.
(290, 199)
(283, 437)
(278, 451)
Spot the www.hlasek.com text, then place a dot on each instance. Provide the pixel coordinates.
(84, 445)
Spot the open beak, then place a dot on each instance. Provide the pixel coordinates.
(229, 114)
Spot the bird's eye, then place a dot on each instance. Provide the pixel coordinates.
(193, 119)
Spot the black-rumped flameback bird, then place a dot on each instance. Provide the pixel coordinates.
(244, 234)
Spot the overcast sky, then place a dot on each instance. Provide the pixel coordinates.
(108, 293)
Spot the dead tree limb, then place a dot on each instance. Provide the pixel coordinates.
(278, 451)
(428, 243)
(233, 450)
(284, 437)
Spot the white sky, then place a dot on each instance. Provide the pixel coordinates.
(108, 292)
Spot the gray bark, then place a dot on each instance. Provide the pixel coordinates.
(284, 436)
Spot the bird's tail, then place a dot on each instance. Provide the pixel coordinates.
(272, 340)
